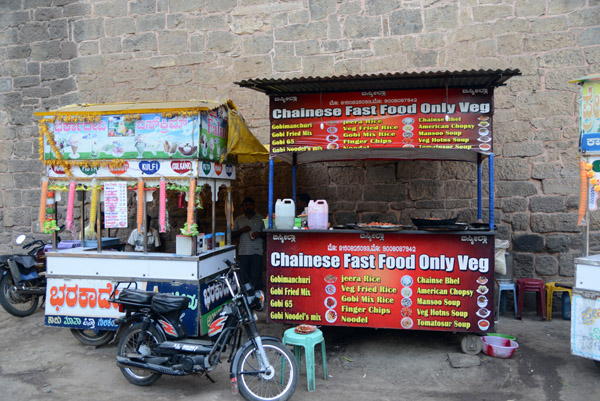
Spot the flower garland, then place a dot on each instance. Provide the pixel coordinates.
(172, 114)
(84, 118)
(592, 176)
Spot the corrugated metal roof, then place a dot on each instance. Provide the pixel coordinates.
(405, 80)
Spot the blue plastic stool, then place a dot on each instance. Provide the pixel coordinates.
(507, 287)
(308, 341)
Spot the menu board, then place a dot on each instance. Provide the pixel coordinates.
(432, 118)
(382, 280)
(115, 204)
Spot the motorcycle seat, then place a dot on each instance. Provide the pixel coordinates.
(165, 303)
(135, 297)
(24, 260)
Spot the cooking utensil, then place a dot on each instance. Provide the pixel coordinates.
(432, 222)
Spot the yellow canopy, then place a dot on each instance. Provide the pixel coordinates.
(241, 142)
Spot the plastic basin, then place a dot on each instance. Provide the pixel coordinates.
(503, 336)
(498, 347)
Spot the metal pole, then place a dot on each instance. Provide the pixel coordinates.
(229, 216)
(215, 196)
(491, 172)
(145, 228)
(479, 187)
(271, 175)
(294, 170)
(98, 225)
(82, 217)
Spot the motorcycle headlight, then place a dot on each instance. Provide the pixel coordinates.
(258, 300)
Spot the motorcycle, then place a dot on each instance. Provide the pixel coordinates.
(155, 342)
(23, 279)
(23, 283)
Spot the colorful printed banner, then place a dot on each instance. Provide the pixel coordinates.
(433, 118)
(151, 169)
(383, 280)
(152, 136)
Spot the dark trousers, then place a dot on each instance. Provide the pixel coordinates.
(251, 266)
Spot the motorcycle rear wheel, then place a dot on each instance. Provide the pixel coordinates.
(93, 337)
(137, 340)
(14, 303)
(278, 384)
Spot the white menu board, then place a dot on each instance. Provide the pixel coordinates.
(115, 204)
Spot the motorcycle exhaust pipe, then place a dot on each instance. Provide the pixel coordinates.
(30, 291)
(124, 362)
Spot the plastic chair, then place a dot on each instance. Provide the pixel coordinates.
(507, 287)
(551, 288)
(308, 341)
(531, 284)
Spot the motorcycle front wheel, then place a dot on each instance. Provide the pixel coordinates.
(278, 383)
(16, 304)
(139, 341)
(93, 337)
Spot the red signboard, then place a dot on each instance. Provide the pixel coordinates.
(432, 118)
(383, 280)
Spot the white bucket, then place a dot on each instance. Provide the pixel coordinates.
(318, 215)
(285, 213)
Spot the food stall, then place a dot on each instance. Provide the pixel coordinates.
(585, 313)
(423, 274)
(126, 155)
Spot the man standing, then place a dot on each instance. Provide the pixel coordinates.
(249, 227)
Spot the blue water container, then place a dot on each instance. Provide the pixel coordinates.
(566, 306)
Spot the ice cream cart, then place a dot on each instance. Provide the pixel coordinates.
(151, 148)
(585, 314)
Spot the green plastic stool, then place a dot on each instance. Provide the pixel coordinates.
(308, 341)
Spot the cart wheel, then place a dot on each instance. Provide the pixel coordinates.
(471, 344)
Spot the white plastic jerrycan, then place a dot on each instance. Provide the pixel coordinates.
(285, 212)
(318, 215)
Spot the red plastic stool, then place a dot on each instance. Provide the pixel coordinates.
(531, 284)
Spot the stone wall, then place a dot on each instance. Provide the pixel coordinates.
(58, 52)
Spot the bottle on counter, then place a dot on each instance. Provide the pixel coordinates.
(318, 215)
(285, 210)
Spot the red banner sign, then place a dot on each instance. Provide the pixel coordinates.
(403, 281)
(433, 118)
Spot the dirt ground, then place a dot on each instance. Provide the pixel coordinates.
(46, 363)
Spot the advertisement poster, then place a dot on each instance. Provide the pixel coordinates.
(84, 303)
(590, 117)
(585, 327)
(430, 118)
(213, 137)
(115, 204)
(153, 136)
(382, 280)
(80, 304)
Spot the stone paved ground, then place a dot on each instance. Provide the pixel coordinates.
(44, 363)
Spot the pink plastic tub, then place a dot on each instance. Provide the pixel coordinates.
(498, 346)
